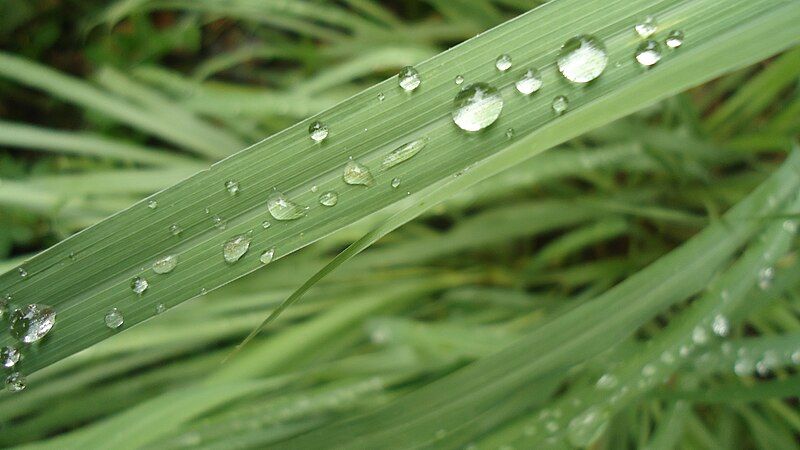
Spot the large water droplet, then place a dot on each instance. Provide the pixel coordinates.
(152, 204)
(32, 322)
(329, 198)
(560, 104)
(15, 382)
(587, 427)
(165, 264)
(318, 131)
(114, 318)
(582, 59)
(235, 248)
(139, 285)
(232, 186)
(267, 255)
(9, 357)
(503, 63)
(356, 173)
(477, 106)
(404, 153)
(530, 82)
(646, 28)
(674, 39)
(282, 208)
(648, 53)
(408, 78)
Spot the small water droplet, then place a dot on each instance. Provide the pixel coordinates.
(674, 39)
(503, 62)
(219, 222)
(765, 277)
(790, 226)
(510, 133)
(404, 153)
(31, 323)
(267, 255)
(530, 82)
(165, 264)
(232, 186)
(152, 204)
(318, 131)
(203, 291)
(160, 308)
(329, 198)
(265, 224)
(646, 28)
(22, 272)
(381, 96)
(15, 382)
(314, 188)
(395, 182)
(175, 229)
(582, 59)
(477, 106)
(235, 248)
(139, 285)
(560, 104)
(282, 208)
(648, 53)
(409, 78)
(357, 174)
(459, 79)
(720, 325)
(114, 318)
(9, 357)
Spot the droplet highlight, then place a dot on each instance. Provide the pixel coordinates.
(674, 39)
(9, 357)
(646, 27)
(648, 53)
(114, 318)
(530, 82)
(403, 153)
(503, 63)
(476, 107)
(409, 78)
(282, 208)
(165, 264)
(31, 323)
(318, 131)
(582, 59)
(139, 285)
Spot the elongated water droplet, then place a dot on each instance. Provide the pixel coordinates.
(282, 208)
(22, 272)
(646, 28)
(318, 131)
(409, 78)
(477, 106)
(395, 182)
(232, 186)
(560, 104)
(765, 277)
(152, 204)
(329, 198)
(530, 82)
(31, 323)
(356, 173)
(160, 308)
(648, 53)
(235, 248)
(267, 255)
(139, 285)
(587, 427)
(165, 264)
(175, 229)
(15, 382)
(9, 357)
(459, 79)
(404, 153)
(114, 318)
(674, 39)
(582, 59)
(503, 63)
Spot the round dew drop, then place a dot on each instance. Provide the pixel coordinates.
(582, 59)
(357, 174)
(409, 78)
(560, 104)
(9, 357)
(165, 264)
(15, 382)
(114, 318)
(235, 248)
(476, 107)
(530, 82)
(32, 322)
(139, 285)
(232, 187)
(648, 53)
(459, 79)
(267, 255)
(318, 131)
(646, 27)
(674, 39)
(503, 63)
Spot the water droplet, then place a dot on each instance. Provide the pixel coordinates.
(503, 63)
(165, 264)
(152, 204)
(267, 255)
(175, 229)
(408, 78)
(356, 173)
(265, 224)
(4, 305)
(477, 106)
(9, 357)
(381, 96)
(459, 80)
(235, 248)
(790, 226)
(667, 358)
(32, 322)
(219, 222)
(530, 82)
(560, 104)
(551, 426)
(582, 59)
(646, 27)
(329, 198)
(404, 153)
(587, 427)
(648, 370)
(395, 182)
(160, 308)
(510, 133)
(15, 382)
(114, 318)
(318, 131)
(720, 325)
(139, 285)
(648, 53)
(314, 188)
(22, 272)
(283, 209)
(699, 335)
(606, 381)
(743, 367)
(674, 39)
(232, 186)
(765, 277)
